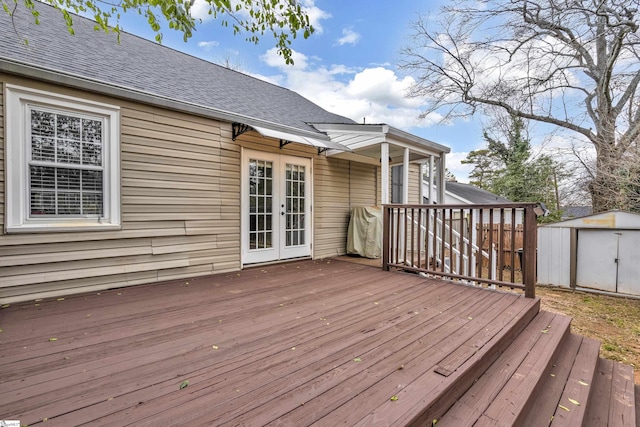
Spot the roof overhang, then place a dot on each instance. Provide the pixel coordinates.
(364, 142)
(286, 137)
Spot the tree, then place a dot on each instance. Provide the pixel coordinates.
(509, 169)
(282, 18)
(484, 168)
(572, 64)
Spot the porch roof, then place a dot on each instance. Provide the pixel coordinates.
(364, 142)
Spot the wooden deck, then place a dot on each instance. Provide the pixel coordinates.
(305, 343)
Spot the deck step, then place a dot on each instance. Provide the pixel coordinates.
(503, 394)
(565, 395)
(612, 399)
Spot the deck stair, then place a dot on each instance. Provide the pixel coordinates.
(548, 376)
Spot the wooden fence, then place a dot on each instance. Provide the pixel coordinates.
(509, 244)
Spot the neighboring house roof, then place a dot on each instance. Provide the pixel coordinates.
(148, 72)
(471, 194)
(576, 211)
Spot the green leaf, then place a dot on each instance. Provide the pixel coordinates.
(357, 359)
(53, 339)
(394, 398)
(6, 306)
(184, 384)
(575, 402)
(583, 383)
(564, 407)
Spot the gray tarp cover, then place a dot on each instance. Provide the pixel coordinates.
(364, 236)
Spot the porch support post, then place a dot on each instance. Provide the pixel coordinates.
(384, 179)
(405, 177)
(442, 178)
(421, 182)
(431, 178)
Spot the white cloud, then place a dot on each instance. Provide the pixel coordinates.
(208, 45)
(348, 37)
(455, 166)
(315, 15)
(200, 10)
(373, 94)
(272, 59)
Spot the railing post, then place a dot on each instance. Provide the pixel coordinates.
(386, 228)
(530, 249)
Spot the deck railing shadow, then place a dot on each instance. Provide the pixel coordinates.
(476, 244)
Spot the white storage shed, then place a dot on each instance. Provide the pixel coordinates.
(600, 252)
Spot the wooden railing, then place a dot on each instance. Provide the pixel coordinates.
(474, 244)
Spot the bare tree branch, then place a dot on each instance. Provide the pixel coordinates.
(572, 64)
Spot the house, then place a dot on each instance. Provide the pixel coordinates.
(457, 193)
(569, 212)
(595, 252)
(118, 169)
(129, 163)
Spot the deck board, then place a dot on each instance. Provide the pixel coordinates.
(287, 337)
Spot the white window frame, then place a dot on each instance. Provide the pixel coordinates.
(18, 101)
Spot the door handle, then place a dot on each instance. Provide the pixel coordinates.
(281, 213)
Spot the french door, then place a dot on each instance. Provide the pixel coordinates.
(276, 207)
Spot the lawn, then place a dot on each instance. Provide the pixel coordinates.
(614, 321)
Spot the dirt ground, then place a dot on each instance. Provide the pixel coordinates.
(614, 321)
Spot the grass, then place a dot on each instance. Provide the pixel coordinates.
(614, 321)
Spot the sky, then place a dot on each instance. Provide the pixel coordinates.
(349, 66)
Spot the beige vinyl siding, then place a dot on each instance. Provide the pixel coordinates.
(331, 207)
(362, 184)
(414, 183)
(180, 205)
(180, 182)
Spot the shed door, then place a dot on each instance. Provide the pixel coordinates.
(629, 262)
(276, 207)
(597, 253)
(609, 260)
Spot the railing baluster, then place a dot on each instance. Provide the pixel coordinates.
(435, 239)
(513, 246)
(427, 237)
(397, 236)
(443, 239)
(470, 271)
(404, 237)
(386, 218)
(412, 251)
(501, 246)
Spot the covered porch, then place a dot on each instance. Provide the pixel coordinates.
(398, 154)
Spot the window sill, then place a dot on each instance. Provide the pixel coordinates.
(61, 227)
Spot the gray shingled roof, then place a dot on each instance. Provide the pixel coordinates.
(474, 194)
(147, 67)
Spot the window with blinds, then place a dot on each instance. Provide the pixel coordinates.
(64, 167)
